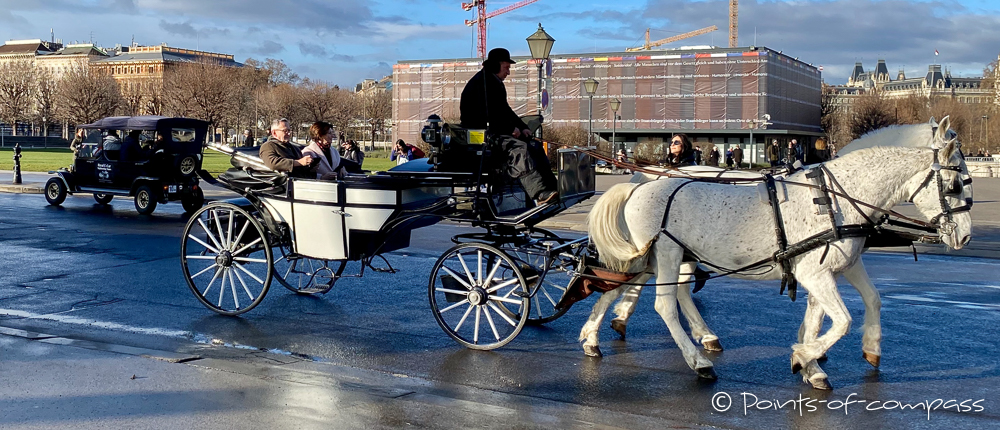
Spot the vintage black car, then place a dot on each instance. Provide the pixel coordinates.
(158, 165)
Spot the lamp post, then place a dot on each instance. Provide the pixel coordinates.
(615, 104)
(590, 85)
(540, 45)
(762, 123)
(985, 131)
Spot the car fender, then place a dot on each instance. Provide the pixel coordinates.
(68, 180)
(143, 180)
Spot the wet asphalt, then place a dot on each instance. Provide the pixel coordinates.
(369, 354)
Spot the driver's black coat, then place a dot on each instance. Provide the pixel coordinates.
(484, 100)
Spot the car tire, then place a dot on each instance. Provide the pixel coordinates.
(187, 166)
(103, 199)
(55, 191)
(193, 201)
(145, 200)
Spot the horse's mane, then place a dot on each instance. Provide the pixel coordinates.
(908, 136)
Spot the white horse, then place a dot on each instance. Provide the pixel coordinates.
(625, 227)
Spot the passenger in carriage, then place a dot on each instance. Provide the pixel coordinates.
(681, 152)
(330, 166)
(131, 149)
(484, 106)
(280, 155)
(111, 145)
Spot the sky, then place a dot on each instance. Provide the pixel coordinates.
(345, 41)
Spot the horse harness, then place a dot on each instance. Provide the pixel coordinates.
(825, 200)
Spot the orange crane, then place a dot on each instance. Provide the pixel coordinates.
(648, 45)
(734, 13)
(483, 16)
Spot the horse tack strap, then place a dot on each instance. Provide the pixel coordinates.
(787, 278)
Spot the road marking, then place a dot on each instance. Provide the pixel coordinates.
(67, 319)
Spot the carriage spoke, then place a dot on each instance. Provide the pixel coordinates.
(506, 283)
(210, 237)
(453, 307)
(244, 284)
(475, 333)
(547, 296)
(493, 327)
(461, 321)
(238, 266)
(218, 224)
(479, 276)
(461, 259)
(232, 286)
(217, 272)
(446, 290)
(506, 300)
(229, 236)
(199, 257)
(493, 272)
(250, 260)
(222, 287)
(247, 246)
(207, 246)
(554, 285)
(243, 231)
(204, 270)
(499, 312)
(457, 277)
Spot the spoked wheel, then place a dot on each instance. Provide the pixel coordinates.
(305, 275)
(478, 296)
(533, 259)
(226, 258)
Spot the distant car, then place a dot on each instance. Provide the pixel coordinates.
(157, 171)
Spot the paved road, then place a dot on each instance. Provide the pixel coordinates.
(369, 354)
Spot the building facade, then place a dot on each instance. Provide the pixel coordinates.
(715, 95)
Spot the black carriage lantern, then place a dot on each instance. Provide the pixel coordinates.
(540, 44)
(615, 104)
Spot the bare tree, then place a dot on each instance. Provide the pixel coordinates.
(317, 100)
(345, 108)
(250, 81)
(279, 73)
(132, 98)
(282, 101)
(871, 112)
(46, 88)
(86, 95)
(199, 90)
(377, 111)
(17, 88)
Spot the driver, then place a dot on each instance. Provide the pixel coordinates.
(484, 106)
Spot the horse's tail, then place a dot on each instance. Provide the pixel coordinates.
(608, 231)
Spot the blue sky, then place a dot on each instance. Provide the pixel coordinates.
(344, 41)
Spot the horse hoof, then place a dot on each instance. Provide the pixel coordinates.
(872, 359)
(707, 373)
(796, 367)
(822, 358)
(821, 384)
(618, 326)
(712, 345)
(592, 351)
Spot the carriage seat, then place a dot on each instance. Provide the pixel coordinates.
(243, 179)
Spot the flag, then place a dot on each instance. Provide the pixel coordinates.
(935, 52)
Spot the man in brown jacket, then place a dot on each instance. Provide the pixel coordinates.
(279, 154)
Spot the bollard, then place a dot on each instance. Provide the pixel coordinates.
(17, 164)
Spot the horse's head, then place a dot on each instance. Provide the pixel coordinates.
(944, 193)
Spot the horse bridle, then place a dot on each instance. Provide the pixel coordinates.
(948, 225)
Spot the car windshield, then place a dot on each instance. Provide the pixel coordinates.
(182, 135)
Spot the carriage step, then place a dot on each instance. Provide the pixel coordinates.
(323, 289)
(522, 294)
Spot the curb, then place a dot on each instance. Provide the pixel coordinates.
(25, 188)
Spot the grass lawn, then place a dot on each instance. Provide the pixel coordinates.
(44, 160)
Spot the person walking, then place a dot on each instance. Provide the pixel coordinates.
(774, 153)
(738, 157)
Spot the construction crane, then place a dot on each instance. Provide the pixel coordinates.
(734, 20)
(483, 16)
(649, 45)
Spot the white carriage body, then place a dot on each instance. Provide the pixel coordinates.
(325, 216)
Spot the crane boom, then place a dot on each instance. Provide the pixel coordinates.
(483, 16)
(649, 44)
(734, 21)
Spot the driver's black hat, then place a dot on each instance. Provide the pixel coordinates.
(499, 55)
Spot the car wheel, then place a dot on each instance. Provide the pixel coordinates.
(103, 198)
(145, 200)
(193, 201)
(55, 191)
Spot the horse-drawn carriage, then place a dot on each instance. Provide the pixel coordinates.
(302, 232)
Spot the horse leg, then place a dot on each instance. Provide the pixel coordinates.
(699, 330)
(589, 332)
(668, 260)
(625, 306)
(823, 287)
(871, 339)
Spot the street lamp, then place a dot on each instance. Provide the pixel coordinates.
(615, 104)
(540, 45)
(590, 85)
(762, 123)
(984, 132)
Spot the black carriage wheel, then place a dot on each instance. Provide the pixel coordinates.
(55, 191)
(478, 296)
(533, 261)
(187, 165)
(193, 201)
(303, 275)
(145, 200)
(226, 258)
(103, 199)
